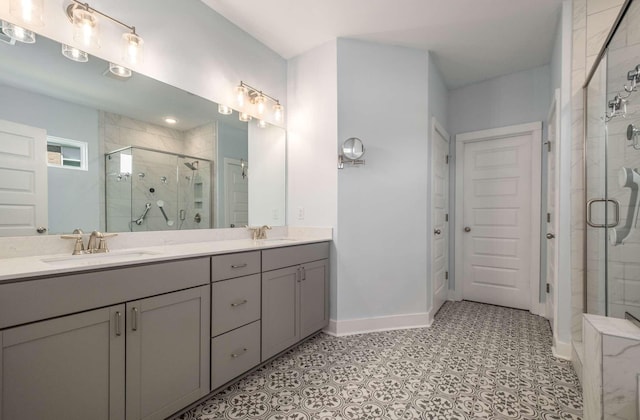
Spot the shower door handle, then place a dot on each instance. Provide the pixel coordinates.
(616, 204)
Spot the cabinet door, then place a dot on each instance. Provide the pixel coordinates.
(65, 368)
(167, 353)
(279, 310)
(314, 297)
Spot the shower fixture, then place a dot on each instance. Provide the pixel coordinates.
(140, 219)
(634, 77)
(164, 180)
(192, 165)
(141, 175)
(633, 133)
(615, 105)
(160, 204)
(627, 178)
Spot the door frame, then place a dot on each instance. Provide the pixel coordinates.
(555, 226)
(436, 127)
(227, 161)
(535, 130)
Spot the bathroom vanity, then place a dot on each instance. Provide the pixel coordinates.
(144, 336)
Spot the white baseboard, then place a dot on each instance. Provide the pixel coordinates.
(562, 349)
(341, 328)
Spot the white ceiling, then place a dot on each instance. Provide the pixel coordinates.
(472, 40)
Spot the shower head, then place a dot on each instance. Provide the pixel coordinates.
(192, 165)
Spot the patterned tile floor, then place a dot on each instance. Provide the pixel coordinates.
(475, 362)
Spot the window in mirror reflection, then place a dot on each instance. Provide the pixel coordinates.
(66, 153)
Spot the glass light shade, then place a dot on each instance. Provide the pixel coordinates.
(29, 12)
(262, 124)
(224, 110)
(85, 28)
(18, 33)
(132, 47)
(259, 101)
(277, 112)
(244, 117)
(118, 70)
(74, 54)
(241, 92)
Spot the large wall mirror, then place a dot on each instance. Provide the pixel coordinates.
(82, 147)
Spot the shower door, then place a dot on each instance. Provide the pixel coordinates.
(612, 164)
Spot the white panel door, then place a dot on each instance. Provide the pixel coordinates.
(236, 193)
(498, 219)
(23, 179)
(552, 214)
(439, 215)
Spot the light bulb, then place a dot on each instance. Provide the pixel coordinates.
(262, 123)
(241, 92)
(259, 101)
(30, 12)
(277, 112)
(18, 33)
(85, 28)
(224, 110)
(243, 116)
(74, 54)
(132, 48)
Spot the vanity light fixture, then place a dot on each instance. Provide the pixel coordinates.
(120, 71)
(74, 54)
(262, 124)
(224, 110)
(29, 12)
(85, 22)
(18, 33)
(259, 99)
(243, 116)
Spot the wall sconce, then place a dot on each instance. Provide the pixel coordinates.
(74, 54)
(259, 99)
(18, 33)
(86, 31)
(350, 152)
(224, 110)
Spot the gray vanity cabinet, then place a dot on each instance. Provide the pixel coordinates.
(167, 353)
(295, 299)
(66, 368)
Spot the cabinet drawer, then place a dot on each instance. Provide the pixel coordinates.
(273, 259)
(234, 265)
(234, 353)
(235, 302)
(34, 300)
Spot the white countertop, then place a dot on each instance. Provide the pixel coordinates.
(46, 265)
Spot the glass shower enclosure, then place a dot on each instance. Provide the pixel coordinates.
(612, 173)
(149, 190)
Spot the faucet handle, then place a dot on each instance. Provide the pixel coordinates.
(78, 247)
(102, 243)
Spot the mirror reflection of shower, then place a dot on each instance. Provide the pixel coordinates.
(168, 192)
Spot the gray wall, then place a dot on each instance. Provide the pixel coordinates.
(382, 206)
(68, 188)
(506, 100)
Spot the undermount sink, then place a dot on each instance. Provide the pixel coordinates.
(277, 240)
(87, 259)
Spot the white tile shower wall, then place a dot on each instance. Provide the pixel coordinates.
(592, 20)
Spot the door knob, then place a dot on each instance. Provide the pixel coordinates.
(41, 229)
(467, 229)
(437, 232)
(550, 236)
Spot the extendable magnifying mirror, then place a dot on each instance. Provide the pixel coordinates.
(350, 152)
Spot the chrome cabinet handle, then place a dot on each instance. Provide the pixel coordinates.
(240, 353)
(239, 266)
(437, 232)
(467, 229)
(242, 302)
(550, 236)
(134, 319)
(118, 319)
(304, 274)
(299, 274)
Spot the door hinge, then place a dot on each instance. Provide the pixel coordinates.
(446, 217)
(548, 143)
(548, 288)
(548, 217)
(446, 275)
(446, 159)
